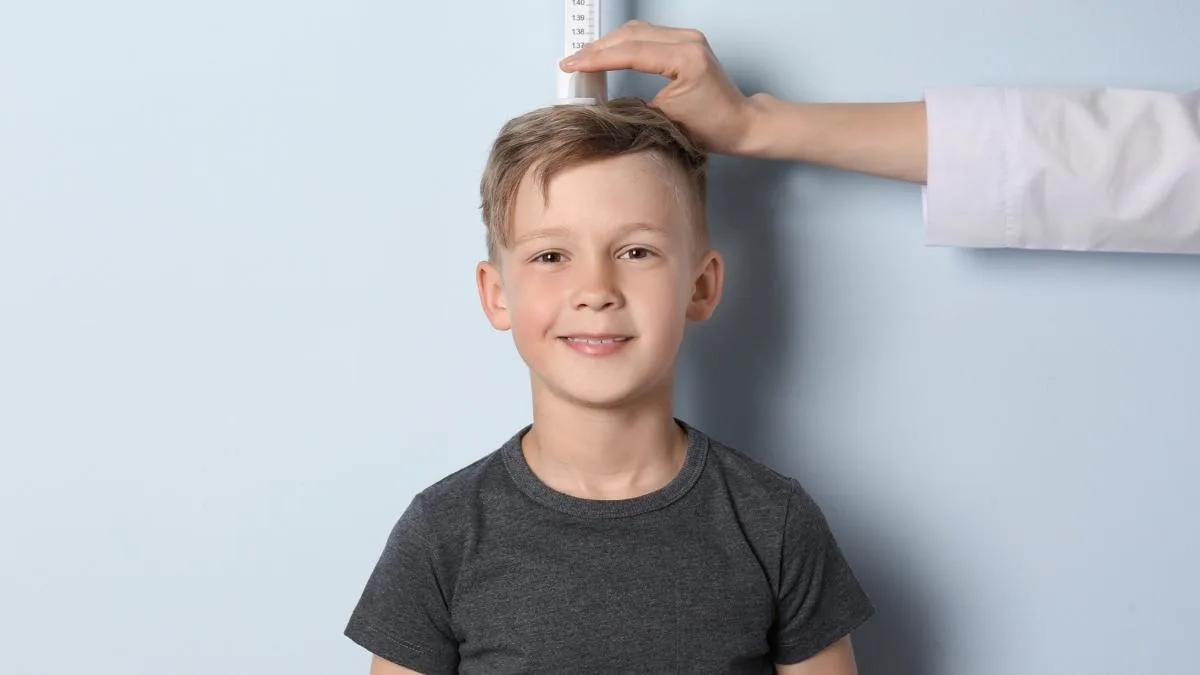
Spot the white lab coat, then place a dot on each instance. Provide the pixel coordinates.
(1083, 170)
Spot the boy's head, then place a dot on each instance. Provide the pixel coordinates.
(597, 247)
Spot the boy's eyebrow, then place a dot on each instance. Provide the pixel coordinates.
(643, 227)
(541, 233)
(551, 232)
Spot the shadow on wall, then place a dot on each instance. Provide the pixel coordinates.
(734, 365)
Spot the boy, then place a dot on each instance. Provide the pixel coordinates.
(607, 536)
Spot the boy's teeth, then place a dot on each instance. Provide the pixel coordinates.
(597, 341)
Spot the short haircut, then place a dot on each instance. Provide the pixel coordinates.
(551, 139)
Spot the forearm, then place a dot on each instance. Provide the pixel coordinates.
(880, 139)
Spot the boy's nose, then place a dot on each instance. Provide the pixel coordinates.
(597, 289)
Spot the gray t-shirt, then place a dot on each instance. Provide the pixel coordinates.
(730, 568)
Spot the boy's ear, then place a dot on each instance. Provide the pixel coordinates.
(706, 291)
(491, 295)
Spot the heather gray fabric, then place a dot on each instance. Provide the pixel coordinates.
(730, 568)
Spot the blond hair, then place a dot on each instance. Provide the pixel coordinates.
(549, 140)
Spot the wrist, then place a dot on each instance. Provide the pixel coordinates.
(771, 128)
(754, 139)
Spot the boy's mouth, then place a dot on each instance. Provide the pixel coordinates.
(595, 344)
(596, 339)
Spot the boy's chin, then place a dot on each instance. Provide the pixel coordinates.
(609, 396)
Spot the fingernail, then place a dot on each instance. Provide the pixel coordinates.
(569, 61)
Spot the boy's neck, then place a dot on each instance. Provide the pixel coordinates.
(604, 453)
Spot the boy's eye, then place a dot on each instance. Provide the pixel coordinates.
(637, 253)
(548, 257)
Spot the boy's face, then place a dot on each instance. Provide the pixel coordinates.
(599, 280)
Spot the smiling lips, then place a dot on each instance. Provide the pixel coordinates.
(596, 345)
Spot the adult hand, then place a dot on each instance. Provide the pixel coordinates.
(700, 95)
(881, 139)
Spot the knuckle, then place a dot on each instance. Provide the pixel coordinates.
(696, 53)
(694, 35)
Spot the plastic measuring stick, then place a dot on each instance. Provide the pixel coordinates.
(582, 26)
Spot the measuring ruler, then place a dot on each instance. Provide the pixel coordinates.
(581, 27)
(583, 24)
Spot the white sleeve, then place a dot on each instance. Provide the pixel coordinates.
(1084, 170)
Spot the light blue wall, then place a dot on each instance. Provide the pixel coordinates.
(238, 331)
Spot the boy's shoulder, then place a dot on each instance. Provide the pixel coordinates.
(466, 485)
(771, 500)
(748, 475)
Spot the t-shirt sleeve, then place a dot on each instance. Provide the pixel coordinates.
(820, 600)
(403, 614)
